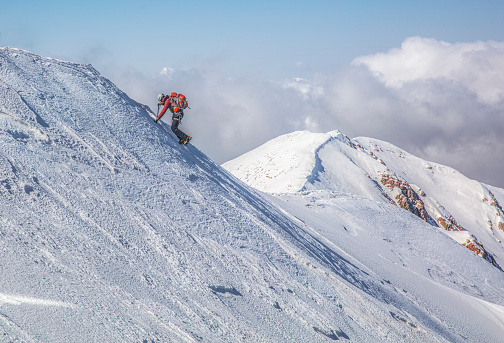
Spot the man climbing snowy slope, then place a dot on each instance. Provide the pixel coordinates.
(176, 103)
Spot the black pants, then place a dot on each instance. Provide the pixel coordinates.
(174, 127)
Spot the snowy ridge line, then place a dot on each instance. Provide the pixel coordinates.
(318, 167)
(44, 58)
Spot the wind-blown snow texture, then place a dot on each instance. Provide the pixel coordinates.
(112, 232)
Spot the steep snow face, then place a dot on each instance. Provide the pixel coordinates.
(111, 231)
(465, 209)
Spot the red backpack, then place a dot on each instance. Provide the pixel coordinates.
(182, 102)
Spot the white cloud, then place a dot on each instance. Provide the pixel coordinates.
(479, 66)
(443, 102)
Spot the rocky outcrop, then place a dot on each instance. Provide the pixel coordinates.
(477, 247)
(449, 224)
(406, 198)
(499, 212)
(495, 203)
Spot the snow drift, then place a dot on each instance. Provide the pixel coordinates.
(111, 231)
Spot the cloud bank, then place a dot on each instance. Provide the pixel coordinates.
(449, 98)
(478, 66)
(440, 101)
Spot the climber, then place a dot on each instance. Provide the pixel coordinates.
(176, 103)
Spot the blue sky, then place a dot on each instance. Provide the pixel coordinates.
(423, 75)
(280, 39)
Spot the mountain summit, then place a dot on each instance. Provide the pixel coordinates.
(111, 231)
(466, 210)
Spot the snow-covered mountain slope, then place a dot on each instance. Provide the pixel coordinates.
(112, 232)
(455, 285)
(464, 209)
